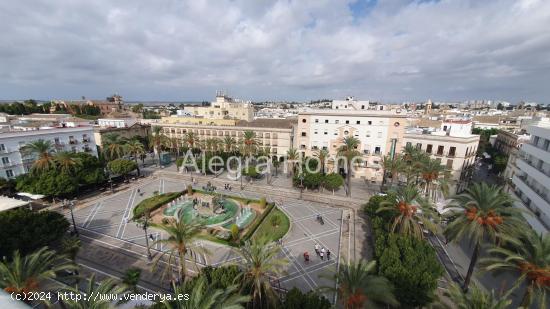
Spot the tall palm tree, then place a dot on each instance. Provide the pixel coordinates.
(360, 287)
(292, 156)
(190, 138)
(174, 144)
(431, 170)
(136, 149)
(179, 242)
(349, 151)
(43, 150)
(250, 143)
(392, 166)
(412, 212)
(229, 143)
(157, 140)
(412, 162)
(100, 290)
(259, 263)
(528, 255)
(113, 146)
(476, 298)
(482, 212)
(66, 162)
(203, 296)
(322, 155)
(27, 274)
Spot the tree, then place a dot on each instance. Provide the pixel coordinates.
(7, 186)
(234, 231)
(349, 151)
(191, 139)
(91, 170)
(500, 106)
(250, 143)
(66, 162)
(27, 231)
(475, 299)
(179, 242)
(260, 262)
(322, 155)
(229, 143)
(138, 108)
(131, 278)
(23, 275)
(43, 150)
(136, 149)
(105, 287)
(122, 166)
(292, 156)
(113, 146)
(392, 166)
(48, 182)
(482, 212)
(529, 256)
(295, 299)
(70, 246)
(360, 287)
(411, 212)
(157, 140)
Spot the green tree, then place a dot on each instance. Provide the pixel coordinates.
(250, 143)
(122, 166)
(27, 231)
(295, 299)
(482, 212)
(476, 298)
(23, 275)
(136, 149)
(67, 162)
(529, 256)
(157, 140)
(70, 245)
(7, 186)
(349, 151)
(138, 108)
(91, 169)
(292, 156)
(260, 262)
(105, 287)
(113, 146)
(234, 231)
(322, 155)
(131, 278)
(392, 166)
(43, 150)
(360, 287)
(332, 181)
(229, 143)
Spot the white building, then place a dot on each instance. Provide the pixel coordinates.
(350, 103)
(531, 182)
(224, 108)
(14, 163)
(116, 122)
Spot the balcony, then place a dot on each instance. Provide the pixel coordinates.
(85, 140)
(537, 173)
(87, 149)
(539, 198)
(59, 145)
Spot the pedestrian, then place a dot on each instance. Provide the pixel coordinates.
(321, 255)
(151, 236)
(317, 249)
(323, 251)
(328, 254)
(306, 257)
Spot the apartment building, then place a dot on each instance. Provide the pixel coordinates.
(379, 133)
(116, 122)
(531, 183)
(14, 163)
(273, 134)
(224, 108)
(453, 145)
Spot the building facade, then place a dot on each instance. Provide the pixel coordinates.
(223, 108)
(140, 130)
(13, 162)
(531, 183)
(379, 133)
(116, 122)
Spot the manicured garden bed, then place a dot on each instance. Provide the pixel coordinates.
(274, 226)
(154, 202)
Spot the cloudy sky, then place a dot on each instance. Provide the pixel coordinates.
(390, 50)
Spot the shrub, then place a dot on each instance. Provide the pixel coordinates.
(262, 202)
(251, 172)
(310, 181)
(275, 220)
(154, 202)
(189, 189)
(257, 223)
(333, 181)
(234, 231)
(122, 166)
(296, 299)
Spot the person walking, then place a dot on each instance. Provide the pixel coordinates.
(321, 254)
(323, 251)
(317, 247)
(328, 254)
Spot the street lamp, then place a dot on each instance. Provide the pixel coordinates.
(301, 185)
(144, 226)
(71, 206)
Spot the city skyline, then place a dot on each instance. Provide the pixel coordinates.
(390, 51)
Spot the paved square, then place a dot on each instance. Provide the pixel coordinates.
(108, 220)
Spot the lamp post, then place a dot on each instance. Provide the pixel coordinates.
(71, 206)
(301, 185)
(144, 226)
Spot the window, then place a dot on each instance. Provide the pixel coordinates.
(304, 120)
(377, 150)
(409, 144)
(535, 140)
(449, 164)
(440, 150)
(9, 173)
(315, 132)
(336, 121)
(326, 133)
(325, 148)
(56, 140)
(316, 120)
(326, 120)
(418, 146)
(369, 122)
(303, 133)
(368, 133)
(467, 151)
(347, 121)
(73, 149)
(452, 151)
(379, 134)
(302, 146)
(358, 122)
(2, 147)
(346, 132)
(429, 148)
(5, 160)
(362, 106)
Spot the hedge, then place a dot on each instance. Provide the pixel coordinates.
(257, 223)
(154, 202)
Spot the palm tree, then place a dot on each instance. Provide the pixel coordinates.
(100, 290)
(528, 255)
(412, 212)
(70, 247)
(26, 274)
(181, 235)
(250, 143)
(349, 151)
(412, 162)
(322, 155)
(157, 140)
(66, 162)
(190, 138)
(360, 287)
(174, 144)
(259, 263)
(392, 166)
(483, 211)
(113, 146)
(476, 298)
(203, 296)
(292, 156)
(136, 149)
(43, 150)
(229, 143)
(431, 171)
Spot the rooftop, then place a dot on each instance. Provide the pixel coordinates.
(268, 123)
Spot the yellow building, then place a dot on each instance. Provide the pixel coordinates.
(199, 120)
(224, 108)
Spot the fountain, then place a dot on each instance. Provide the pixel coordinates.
(244, 217)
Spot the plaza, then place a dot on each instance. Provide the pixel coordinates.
(107, 221)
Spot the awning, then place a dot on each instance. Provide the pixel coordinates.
(31, 196)
(7, 203)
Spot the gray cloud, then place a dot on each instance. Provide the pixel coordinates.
(184, 50)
